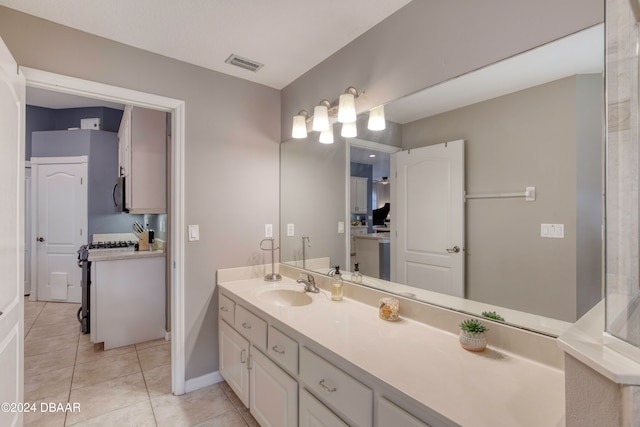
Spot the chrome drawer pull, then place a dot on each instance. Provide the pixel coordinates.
(246, 325)
(223, 308)
(277, 349)
(326, 387)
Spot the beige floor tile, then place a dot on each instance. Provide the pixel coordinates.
(155, 356)
(45, 330)
(84, 339)
(34, 347)
(139, 415)
(33, 308)
(227, 419)
(191, 408)
(235, 400)
(51, 383)
(40, 363)
(87, 352)
(106, 397)
(152, 343)
(106, 369)
(248, 418)
(158, 380)
(46, 418)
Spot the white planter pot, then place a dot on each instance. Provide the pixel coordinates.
(473, 342)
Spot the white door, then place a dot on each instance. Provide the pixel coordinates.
(28, 240)
(427, 202)
(12, 110)
(60, 228)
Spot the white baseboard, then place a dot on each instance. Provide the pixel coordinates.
(203, 381)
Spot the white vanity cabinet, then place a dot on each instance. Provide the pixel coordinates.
(142, 154)
(338, 390)
(264, 387)
(315, 414)
(389, 414)
(358, 194)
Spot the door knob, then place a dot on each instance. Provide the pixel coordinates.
(454, 250)
(40, 239)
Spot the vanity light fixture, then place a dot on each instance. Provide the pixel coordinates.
(326, 137)
(347, 105)
(349, 130)
(376, 119)
(321, 116)
(299, 129)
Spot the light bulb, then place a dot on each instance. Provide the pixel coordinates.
(320, 118)
(326, 137)
(299, 129)
(347, 108)
(376, 119)
(349, 130)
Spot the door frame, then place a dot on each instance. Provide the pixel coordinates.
(34, 222)
(86, 88)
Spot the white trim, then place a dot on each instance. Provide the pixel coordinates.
(70, 85)
(59, 160)
(383, 148)
(203, 381)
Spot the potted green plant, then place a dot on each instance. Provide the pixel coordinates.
(472, 336)
(492, 315)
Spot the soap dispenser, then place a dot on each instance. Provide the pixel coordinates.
(336, 284)
(356, 276)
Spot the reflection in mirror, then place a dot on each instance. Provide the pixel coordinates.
(532, 120)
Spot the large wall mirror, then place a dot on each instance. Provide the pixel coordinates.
(533, 120)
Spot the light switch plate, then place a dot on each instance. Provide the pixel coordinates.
(340, 227)
(268, 230)
(290, 230)
(194, 233)
(555, 231)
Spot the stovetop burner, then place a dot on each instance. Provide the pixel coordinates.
(120, 244)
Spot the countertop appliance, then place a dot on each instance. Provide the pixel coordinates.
(101, 243)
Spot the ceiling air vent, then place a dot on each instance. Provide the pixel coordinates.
(245, 63)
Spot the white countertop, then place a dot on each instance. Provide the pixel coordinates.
(493, 388)
(120, 255)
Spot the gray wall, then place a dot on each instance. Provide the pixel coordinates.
(545, 137)
(232, 135)
(428, 42)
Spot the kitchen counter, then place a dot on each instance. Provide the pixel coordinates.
(420, 361)
(120, 255)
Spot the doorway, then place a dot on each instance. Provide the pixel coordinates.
(73, 86)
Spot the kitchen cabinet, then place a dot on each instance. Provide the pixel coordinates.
(262, 386)
(127, 301)
(142, 159)
(358, 194)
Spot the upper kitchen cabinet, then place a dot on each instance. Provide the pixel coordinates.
(142, 154)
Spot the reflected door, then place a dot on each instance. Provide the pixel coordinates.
(427, 245)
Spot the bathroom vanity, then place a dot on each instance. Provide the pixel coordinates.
(296, 358)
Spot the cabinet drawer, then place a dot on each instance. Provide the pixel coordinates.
(338, 390)
(283, 350)
(226, 308)
(315, 414)
(388, 414)
(251, 326)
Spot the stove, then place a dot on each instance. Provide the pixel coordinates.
(102, 243)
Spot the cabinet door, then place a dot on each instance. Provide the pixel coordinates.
(147, 175)
(388, 414)
(234, 354)
(315, 414)
(274, 394)
(358, 194)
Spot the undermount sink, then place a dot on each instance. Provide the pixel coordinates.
(284, 296)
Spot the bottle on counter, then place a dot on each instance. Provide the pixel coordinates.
(336, 284)
(356, 276)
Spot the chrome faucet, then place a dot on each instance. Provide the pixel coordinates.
(309, 284)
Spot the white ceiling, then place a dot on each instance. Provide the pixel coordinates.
(289, 37)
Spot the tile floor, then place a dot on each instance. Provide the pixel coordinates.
(124, 386)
